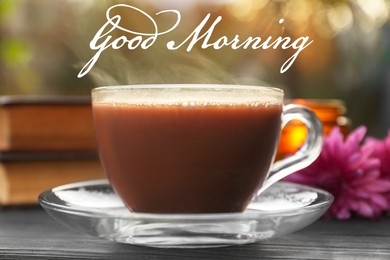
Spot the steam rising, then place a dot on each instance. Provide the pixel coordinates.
(158, 66)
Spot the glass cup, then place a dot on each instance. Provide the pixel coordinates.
(196, 148)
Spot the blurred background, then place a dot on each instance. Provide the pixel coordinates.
(45, 43)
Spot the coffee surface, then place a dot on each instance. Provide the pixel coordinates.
(187, 157)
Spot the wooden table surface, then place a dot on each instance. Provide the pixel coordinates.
(29, 233)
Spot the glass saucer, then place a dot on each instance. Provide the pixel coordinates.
(93, 208)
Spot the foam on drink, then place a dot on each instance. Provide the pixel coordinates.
(225, 95)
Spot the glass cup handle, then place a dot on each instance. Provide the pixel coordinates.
(310, 150)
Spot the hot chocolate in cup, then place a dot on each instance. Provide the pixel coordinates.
(183, 149)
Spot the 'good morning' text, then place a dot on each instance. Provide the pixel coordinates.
(133, 39)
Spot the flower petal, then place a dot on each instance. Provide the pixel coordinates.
(364, 209)
(343, 214)
(356, 137)
(380, 201)
(340, 210)
(334, 142)
(376, 186)
(361, 194)
(367, 176)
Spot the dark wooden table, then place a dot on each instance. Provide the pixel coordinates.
(29, 233)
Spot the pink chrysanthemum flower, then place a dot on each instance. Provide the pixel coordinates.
(349, 171)
(382, 152)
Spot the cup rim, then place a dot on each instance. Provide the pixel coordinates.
(190, 87)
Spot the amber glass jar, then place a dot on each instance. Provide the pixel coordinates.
(331, 113)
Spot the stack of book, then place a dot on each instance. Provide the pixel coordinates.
(44, 142)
